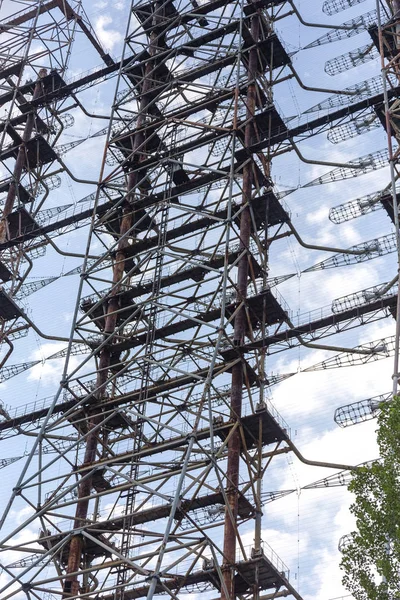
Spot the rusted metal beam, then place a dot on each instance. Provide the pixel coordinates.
(238, 376)
(21, 161)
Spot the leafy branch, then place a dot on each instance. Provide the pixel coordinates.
(371, 559)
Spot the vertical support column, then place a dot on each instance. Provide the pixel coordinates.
(20, 162)
(393, 156)
(396, 14)
(71, 583)
(234, 444)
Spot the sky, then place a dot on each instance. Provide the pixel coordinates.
(305, 526)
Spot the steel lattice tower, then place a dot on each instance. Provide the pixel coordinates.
(145, 474)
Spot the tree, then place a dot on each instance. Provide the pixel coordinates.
(371, 559)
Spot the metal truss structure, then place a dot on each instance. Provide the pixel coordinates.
(35, 51)
(144, 475)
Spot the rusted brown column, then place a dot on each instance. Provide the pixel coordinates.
(71, 583)
(396, 7)
(240, 327)
(396, 13)
(20, 161)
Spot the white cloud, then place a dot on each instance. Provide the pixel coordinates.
(108, 37)
(48, 372)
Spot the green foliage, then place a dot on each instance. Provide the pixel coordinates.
(373, 552)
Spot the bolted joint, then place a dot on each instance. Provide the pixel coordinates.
(226, 567)
(153, 577)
